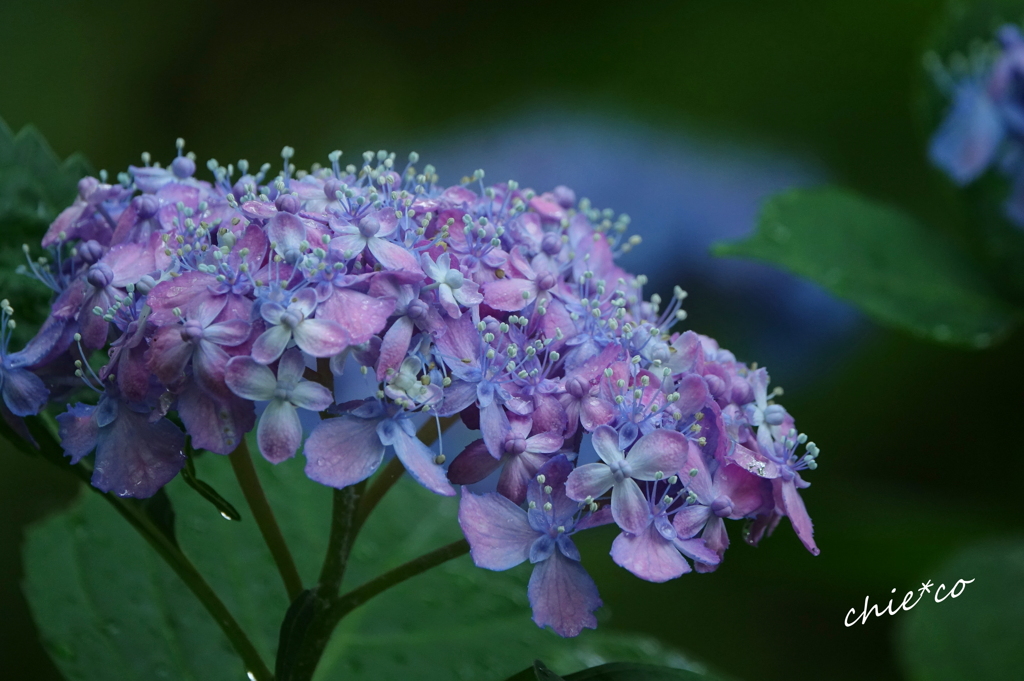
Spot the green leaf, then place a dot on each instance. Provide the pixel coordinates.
(34, 184)
(635, 671)
(613, 671)
(108, 607)
(455, 622)
(538, 671)
(978, 634)
(883, 261)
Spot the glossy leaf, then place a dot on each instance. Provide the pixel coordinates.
(978, 634)
(457, 621)
(613, 671)
(881, 260)
(34, 187)
(34, 184)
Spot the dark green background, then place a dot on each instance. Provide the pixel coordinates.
(918, 441)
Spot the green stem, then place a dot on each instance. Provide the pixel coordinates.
(384, 481)
(353, 599)
(188, 573)
(165, 548)
(249, 481)
(344, 510)
(312, 618)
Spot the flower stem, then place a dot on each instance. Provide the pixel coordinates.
(353, 599)
(197, 585)
(248, 480)
(155, 537)
(313, 617)
(344, 510)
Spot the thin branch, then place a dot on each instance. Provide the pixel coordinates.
(345, 505)
(353, 599)
(249, 481)
(172, 555)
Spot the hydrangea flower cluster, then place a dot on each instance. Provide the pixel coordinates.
(985, 124)
(214, 301)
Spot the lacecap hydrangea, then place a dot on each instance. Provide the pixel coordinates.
(217, 300)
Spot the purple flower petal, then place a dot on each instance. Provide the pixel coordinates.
(515, 477)
(968, 139)
(495, 428)
(697, 550)
(343, 451)
(392, 256)
(544, 443)
(249, 379)
(280, 432)
(78, 431)
(563, 596)
(319, 337)
(606, 444)
(473, 464)
(788, 498)
(135, 458)
(507, 294)
(290, 368)
(394, 346)
(497, 531)
(178, 292)
(589, 480)
(214, 423)
(23, 392)
(663, 451)
(690, 520)
(693, 394)
(272, 312)
(649, 556)
(360, 316)
(419, 461)
(629, 506)
(230, 333)
(311, 396)
(271, 343)
(286, 232)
